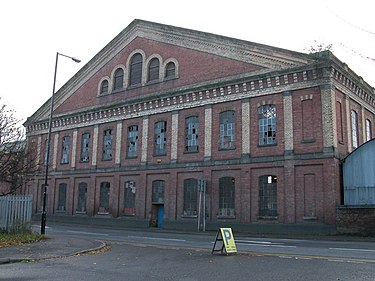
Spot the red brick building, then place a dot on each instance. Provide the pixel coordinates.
(161, 108)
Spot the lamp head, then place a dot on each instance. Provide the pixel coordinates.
(76, 60)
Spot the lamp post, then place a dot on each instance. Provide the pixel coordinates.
(45, 186)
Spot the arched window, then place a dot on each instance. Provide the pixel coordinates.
(267, 124)
(153, 70)
(136, 69)
(226, 197)
(118, 79)
(104, 87)
(190, 197)
(170, 70)
(354, 129)
(268, 196)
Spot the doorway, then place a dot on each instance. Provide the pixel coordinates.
(157, 215)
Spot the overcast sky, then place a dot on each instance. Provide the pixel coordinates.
(32, 31)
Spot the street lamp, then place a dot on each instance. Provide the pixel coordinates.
(43, 222)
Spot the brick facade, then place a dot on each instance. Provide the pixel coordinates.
(312, 97)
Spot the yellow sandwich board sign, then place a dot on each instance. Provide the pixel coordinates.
(225, 241)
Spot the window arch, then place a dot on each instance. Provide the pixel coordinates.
(268, 196)
(190, 197)
(153, 70)
(226, 197)
(170, 70)
(136, 64)
(267, 124)
(104, 87)
(118, 81)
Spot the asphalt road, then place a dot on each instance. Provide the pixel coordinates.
(158, 255)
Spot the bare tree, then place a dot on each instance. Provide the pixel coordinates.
(17, 159)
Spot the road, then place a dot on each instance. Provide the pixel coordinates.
(161, 255)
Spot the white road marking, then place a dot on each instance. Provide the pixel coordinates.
(156, 238)
(349, 249)
(89, 233)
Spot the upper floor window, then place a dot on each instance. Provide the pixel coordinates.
(107, 145)
(267, 124)
(190, 197)
(354, 129)
(153, 70)
(118, 79)
(268, 196)
(226, 197)
(65, 150)
(368, 130)
(132, 145)
(85, 152)
(160, 139)
(227, 130)
(191, 134)
(104, 87)
(136, 63)
(170, 70)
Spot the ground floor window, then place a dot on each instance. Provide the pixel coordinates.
(129, 198)
(82, 198)
(268, 196)
(158, 192)
(190, 197)
(61, 201)
(104, 197)
(226, 197)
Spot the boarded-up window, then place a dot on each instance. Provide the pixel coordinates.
(153, 70)
(136, 64)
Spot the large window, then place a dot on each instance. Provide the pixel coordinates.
(136, 70)
(191, 134)
(354, 129)
(158, 192)
(85, 151)
(153, 70)
(129, 198)
(268, 196)
(368, 130)
(118, 81)
(65, 150)
(267, 124)
(226, 197)
(132, 142)
(61, 201)
(190, 197)
(107, 145)
(160, 139)
(104, 197)
(227, 130)
(82, 198)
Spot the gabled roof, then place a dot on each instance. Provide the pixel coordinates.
(267, 57)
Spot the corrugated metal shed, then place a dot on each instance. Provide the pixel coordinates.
(359, 176)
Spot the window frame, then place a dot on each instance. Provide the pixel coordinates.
(118, 79)
(267, 125)
(354, 127)
(81, 202)
(160, 138)
(191, 134)
(85, 147)
(153, 70)
(132, 141)
(190, 199)
(158, 192)
(267, 197)
(65, 150)
(136, 70)
(61, 200)
(107, 145)
(227, 193)
(104, 198)
(227, 130)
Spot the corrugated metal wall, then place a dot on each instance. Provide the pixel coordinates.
(359, 176)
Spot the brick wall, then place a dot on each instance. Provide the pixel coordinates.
(355, 220)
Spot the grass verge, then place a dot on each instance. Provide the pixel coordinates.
(13, 239)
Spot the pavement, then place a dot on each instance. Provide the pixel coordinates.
(49, 248)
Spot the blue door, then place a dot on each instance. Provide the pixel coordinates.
(160, 215)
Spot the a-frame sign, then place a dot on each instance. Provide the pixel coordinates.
(224, 242)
